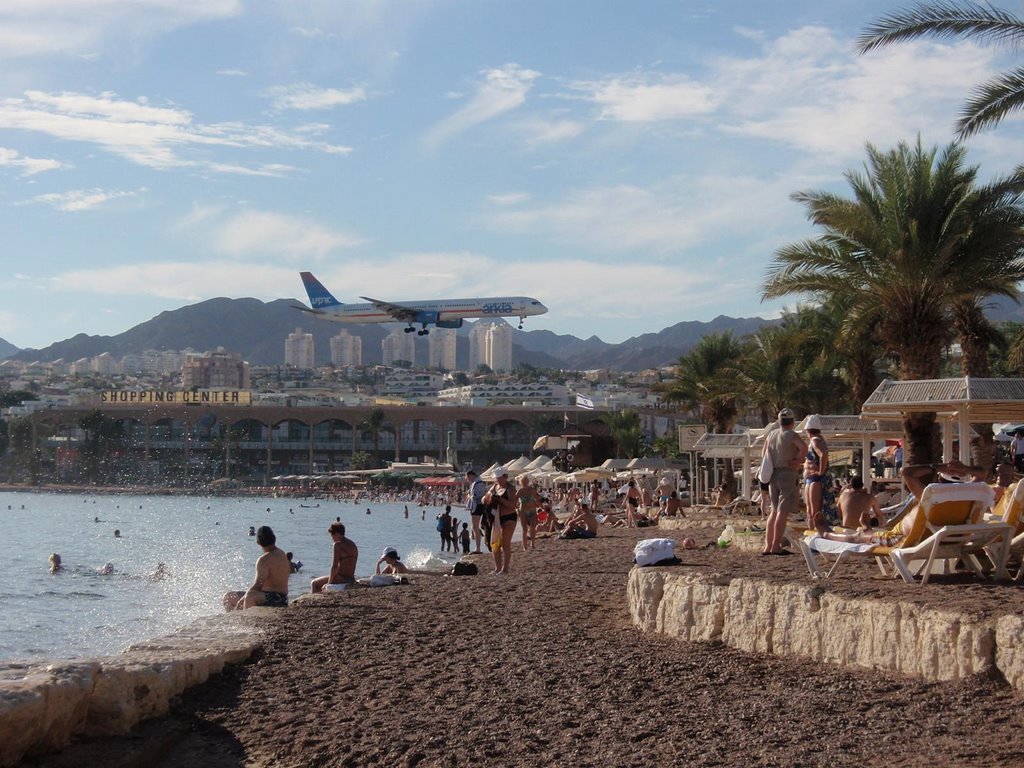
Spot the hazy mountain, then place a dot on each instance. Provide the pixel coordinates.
(7, 349)
(258, 330)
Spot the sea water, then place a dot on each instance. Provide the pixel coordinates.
(205, 548)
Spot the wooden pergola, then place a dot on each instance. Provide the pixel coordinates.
(956, 402)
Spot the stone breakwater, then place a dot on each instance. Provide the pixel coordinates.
(804, 621)
(42, 705)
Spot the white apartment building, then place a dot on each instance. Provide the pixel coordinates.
(346, 349)
(298, 350)
(397, 382)
(441, 349)
(399, 345)
(490, 344)
(506, 392)
(104, 364)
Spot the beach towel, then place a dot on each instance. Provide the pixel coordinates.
(764, 473)
(830, 547)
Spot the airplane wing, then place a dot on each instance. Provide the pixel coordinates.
(397, 311)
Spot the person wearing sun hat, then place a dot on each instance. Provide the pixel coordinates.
(815, 474)
(390, 562)
(786, 449)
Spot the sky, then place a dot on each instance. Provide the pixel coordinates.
(628, 162)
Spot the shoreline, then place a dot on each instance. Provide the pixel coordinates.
(544, 665)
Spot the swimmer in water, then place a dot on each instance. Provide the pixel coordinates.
(117, 533)
(252, 530)
(106, 570)
(55, 563)
(160, 573)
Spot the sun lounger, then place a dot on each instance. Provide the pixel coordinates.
(946, 527)
(1010, 511)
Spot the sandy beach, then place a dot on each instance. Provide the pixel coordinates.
(543, 667)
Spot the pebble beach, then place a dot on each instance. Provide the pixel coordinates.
(544, 667)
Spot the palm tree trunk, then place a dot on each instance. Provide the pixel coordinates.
(922, 441)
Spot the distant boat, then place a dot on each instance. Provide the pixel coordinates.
(310, 506)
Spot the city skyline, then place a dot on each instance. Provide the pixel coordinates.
(628, 164)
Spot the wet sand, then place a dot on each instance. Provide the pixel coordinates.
(543, 667)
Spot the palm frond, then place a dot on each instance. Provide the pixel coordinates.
(943, 20)
(991, 102)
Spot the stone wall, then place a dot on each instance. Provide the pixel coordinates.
(801, 620)
(42, 705)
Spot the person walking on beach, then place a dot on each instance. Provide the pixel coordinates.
(270, 588)
(787, 450)
(529, 500)
(474, 495)
(343, 566)
(503, 500)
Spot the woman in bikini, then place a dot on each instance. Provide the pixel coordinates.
(503, 499)
(815, 474)
(529, 500)
(631, 503)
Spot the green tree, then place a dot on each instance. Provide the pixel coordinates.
(706, 381)
(373, 426)
(991, 101)
(626, 431)
(917, 237)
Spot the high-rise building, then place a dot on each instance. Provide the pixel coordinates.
(441, 349)
(298, 350)
(346, 349)
(398, 345)
(478, 345)
(219, 369)
(499, 347)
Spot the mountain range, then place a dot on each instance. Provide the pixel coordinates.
(257, 330)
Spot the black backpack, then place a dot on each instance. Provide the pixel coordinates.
(464, 569)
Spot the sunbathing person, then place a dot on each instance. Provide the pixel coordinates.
(270, 587)
(391, 563)
(858, 507)
(581, 525)
(673, 506)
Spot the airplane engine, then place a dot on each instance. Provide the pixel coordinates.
(457, 323)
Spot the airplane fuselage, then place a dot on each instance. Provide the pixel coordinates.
(440, 311)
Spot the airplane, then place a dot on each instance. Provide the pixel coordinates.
(444, 313)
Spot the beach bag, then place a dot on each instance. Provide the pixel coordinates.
(440, 525)
(464, 569)
(764, 474)
(655, 552)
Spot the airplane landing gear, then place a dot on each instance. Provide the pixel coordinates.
(424, 332)
(521, 323)
(410, 329)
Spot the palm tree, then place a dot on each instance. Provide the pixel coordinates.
(977, 335)
(626, 431)
(373, 426)
(917, 238)
(991, 101)
(706, 381)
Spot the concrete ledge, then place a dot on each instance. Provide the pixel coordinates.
(42, 705)
(801, 620)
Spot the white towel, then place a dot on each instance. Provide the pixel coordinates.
(832, 547)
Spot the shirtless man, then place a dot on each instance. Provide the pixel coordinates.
(270, 587)
(858, 506)
(343, 565)
(582, 524)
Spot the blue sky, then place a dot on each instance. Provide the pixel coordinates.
(627, 163)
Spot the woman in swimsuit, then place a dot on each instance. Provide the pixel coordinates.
(631, 503)
(503, 499)
(528, 501)
(815, 474)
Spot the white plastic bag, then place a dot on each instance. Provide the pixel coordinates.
(764, 473)
(651, 551)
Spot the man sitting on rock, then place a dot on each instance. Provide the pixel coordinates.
(582, 524)
(272, 571)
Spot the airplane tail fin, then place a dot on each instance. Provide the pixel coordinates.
(319, 297)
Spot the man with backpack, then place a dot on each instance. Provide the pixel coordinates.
(477, 489)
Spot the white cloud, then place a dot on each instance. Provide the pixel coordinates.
(648, 98)
(76, 27)
(76, 200)
(305, 96)
(29, 166)
(503, 89)
(539, 131)
(509, 198)
(232, 73)
(176, 281)
(156, 137)
(293, 237)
